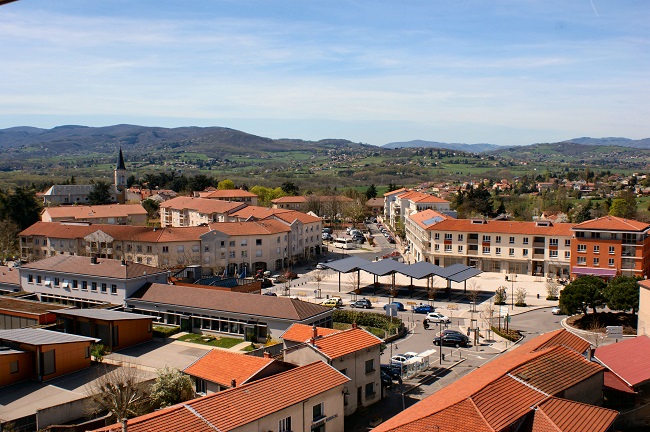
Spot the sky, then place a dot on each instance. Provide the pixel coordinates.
(503, 72)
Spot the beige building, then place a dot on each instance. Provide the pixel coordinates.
(643, 325)
(114, 214)
(187, 211)
(403, 203)
(234, 195)
(321, 205)
(535, 248)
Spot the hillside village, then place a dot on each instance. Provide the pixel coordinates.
(264, 309)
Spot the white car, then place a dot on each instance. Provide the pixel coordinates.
(556, 311)
(438, 317)
(398, 359)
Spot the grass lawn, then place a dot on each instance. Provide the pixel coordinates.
(222, 342)
(599, 321)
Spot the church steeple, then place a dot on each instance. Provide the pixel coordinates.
(120, 178)
(120, 161)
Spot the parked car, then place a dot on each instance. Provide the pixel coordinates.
(321, 266)
(438, 317)
(327, 230)
(386, 379)
(398, 359)
(400, 306)
(330, 303)
(393, 370)
(363, 303)
(424, 309)
(271, 294)
(449, 331)
(391, 240)
(452, 339)
(267, 283)
(327, 236)
(556, 311)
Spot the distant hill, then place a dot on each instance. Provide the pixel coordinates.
(568, 150)
(612, 141)
(471, 148)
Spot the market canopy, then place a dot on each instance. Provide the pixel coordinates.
(422, 269)
(385, 267)
(463, 275)
(347, 265)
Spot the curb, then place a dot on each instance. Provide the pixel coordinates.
(426, 380)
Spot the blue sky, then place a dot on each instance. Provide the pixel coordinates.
(501, 72)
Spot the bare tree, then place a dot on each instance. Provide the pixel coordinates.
(8, 239)
(520, 296)
(473, 293)
(119, 390)
(318, 276)
(552, 290)
(596, 333)
(487, 316)
(353, 282)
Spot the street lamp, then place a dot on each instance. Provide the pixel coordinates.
(512, 291)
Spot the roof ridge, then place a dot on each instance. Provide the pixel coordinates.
(519, 380)
(193, 411)
(542, 412)
(478, 411)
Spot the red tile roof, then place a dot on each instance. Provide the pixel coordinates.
(105, 267)
(428, 218)
(570, 416)
(265, 227)
(221, 367)
(9, 276)
(202, 205)
(302, 332)
(613, 223)
(240, 406)
(613, 382)
(393, 192)
(346, 342)
(628, 359)
(504, 227)
(291, 215)
(230, 193)
(98, 211)
(420, 197)
(480, 386)
(566, 339)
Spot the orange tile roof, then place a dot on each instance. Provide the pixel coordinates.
(302, 332)
(566, 339)
(628, 359)
(230, 193)
(460, 417)
(291, 215)
(267, 226)
(98, 211)
(240, 406)
(202, 205)
(570, 416)
(428, 218)
(105, 267)
(255, 212)
(9, 276)
(393, 192)
(479, 384)
(346, 342)
(221, 367)
(290, 199)
(503, 227)
(421, 197)
(612, 223)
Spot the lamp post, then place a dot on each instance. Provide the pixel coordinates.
(512, 291)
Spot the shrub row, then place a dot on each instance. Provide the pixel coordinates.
(377, 320)
(511, 335)
(163, 332)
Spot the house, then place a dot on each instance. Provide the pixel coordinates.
(86, 282)
(234, 195)
(376, 206)
(545, 384)
(201, 309)
(117, 214)
(188, 211)
(610, 246)
(627, 380)
(354, 352)
(219, 370)
(304, 399)
(18, 313)
(512, 247)
(401, 203)
(39, 354)
(115, 329)
(300, 333)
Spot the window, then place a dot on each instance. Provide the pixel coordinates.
(436, 247)
(165, 249)
(580, 234)
(611, 250)
(103, 287)
(498, 251)
(553, 254)
(13, 367)
(596, 249)
(596, 262)
(244, 254)
(567, 243)
(370, 390)
(195, 248)
(231, 243)
(138, 248)
(84, 285)
(113, 289)
(258, 242)
(284, 425)
(93, 286)
(87, 352)
(180, 249)
(525, 252)
(582, 248)
(30, 278)
(486, 249)
(436, 236)
(595, 235)
(447, 248)
(486, 239)
(231, 254)
(448, 236)
(525, 240)
(553, 242)
(511, 240)
(497, 239)
(39, 279)
(258, 253)
(460, 237)
(244, 242)
(567, 254)
(344, 372)
(610, 262)
(317, 412)
(460, 248)
(201, 387)
(370, 365)
(57, 281)
(582, 260)
(149, 249)
(511, 251)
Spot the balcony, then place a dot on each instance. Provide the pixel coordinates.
(628, 251)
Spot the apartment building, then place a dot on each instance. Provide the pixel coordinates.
(538, 248)
(188, 211)
(610, 246)
(322, 205)
(400, 204)
(115, 214)
(234, 195)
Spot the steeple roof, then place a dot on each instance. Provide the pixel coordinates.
(120, 161)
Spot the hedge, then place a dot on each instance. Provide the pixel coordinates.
(511, 335)
(376, 320)
(163, 332)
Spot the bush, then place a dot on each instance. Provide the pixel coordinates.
(523, 304)
(376, 320)
(511, 335)
(163, 332)
(98, 351)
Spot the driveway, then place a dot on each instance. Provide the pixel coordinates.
(158, 353)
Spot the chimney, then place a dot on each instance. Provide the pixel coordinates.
(267, 354)
(123, 262)
(124, 426)
(93, 259)
(354, 325)
(314, 334)
(233, 383)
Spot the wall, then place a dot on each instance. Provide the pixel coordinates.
(25, 368)
(132, 332)
(589, 391)
(68, 358)
(643, 326)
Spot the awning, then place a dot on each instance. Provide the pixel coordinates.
(593, 271)
(65, 284)
(48, 282)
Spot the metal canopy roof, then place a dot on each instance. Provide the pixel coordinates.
(462, 276)
(422, 269)
(346, 265)
(385, 267)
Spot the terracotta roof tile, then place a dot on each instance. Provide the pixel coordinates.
(230, 193)
(505, 227)
(291, 215)
(566, 339)
(221, 367)
(98, 211)
(211, 299)
(290, 199)
(265, 227)
(178, 418)
(460, 417)
(342, 343)
(612, 381)
(393, 192)
(202, 205)
(302, 332)
(570, 416)
(628, 359)
(105, 267)
(240, 406)
(9, 276)
(613, 223)
(428, 218)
